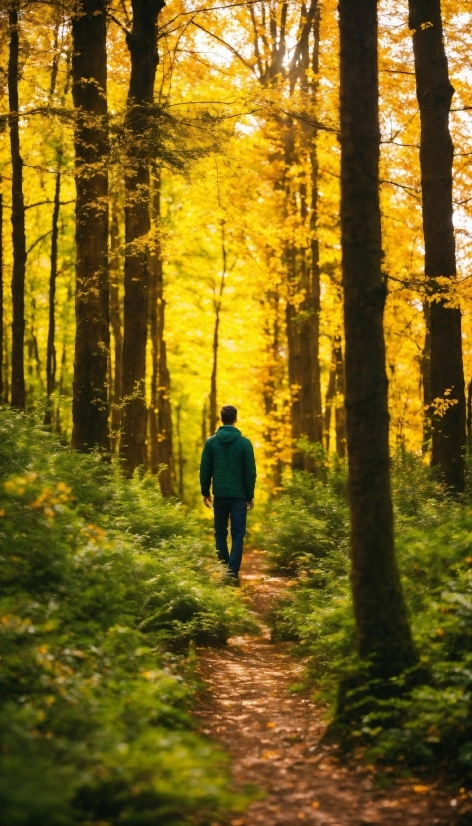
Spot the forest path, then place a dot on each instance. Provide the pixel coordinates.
(273, 737)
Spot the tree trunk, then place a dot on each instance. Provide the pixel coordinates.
(1, 295)
(469, 415)
(217, 299)
(340, 410)
(6, 366)
(434, 93)
(425, 371)
(115, 320)
(17, 220)
(316, 419)
(142, 44)
(57, 413)
(329, 400)
(166, 455)
(180, 454)
(161, 452)
(92, 340)
(51, 346)
(273, 379)
(309, 310)
(383, 634)
(298, 351)
(155, 265)
(214, 373)
(315, 306)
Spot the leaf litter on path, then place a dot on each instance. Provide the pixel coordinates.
(274, 737)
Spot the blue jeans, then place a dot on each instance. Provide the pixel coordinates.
(228, 507)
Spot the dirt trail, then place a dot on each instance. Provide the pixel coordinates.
(273, 738)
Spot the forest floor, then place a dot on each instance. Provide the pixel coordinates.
(273, 737)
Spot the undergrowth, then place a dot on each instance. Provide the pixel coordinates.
(104, 589)
(308, 536)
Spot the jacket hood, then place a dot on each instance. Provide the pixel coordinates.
(227, 433)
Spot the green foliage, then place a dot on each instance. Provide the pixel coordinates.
(309, 525)
(429, 725)
(101, 580)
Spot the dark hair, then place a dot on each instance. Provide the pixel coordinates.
(228, 414)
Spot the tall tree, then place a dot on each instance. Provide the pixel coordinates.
(116, 326)
(425, 378)
(340, 410)
(269, 25)
(17, 217)
(383, 634)
(92, 340)
(308, 276)
(335, 399)
(51, 344)
(142, 44)
(160, 414)
(314, 431)
(434, 92)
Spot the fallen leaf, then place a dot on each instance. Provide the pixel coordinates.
(315, 805)
(270, 725)
(421, 789)
(270, 755)
(237, 823)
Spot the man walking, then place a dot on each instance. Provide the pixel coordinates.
(228, 459)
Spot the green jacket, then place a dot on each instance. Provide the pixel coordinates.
(228, 459)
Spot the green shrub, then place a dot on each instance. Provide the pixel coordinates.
(101, 581)
(431, 725)
(309, 528)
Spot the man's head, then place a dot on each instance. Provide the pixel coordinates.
(229, 414)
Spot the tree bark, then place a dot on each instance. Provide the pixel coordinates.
(161, 452)
(115, 321)
(434, 92)
(142, 44)
(51, 346)
(92, 340)
(17, 219)
(383, 634)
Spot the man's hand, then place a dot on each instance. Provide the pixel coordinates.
(207, 501)
(250, 505)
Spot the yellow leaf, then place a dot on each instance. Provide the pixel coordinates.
(315, 805)
(421, 789)
(270, 725)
